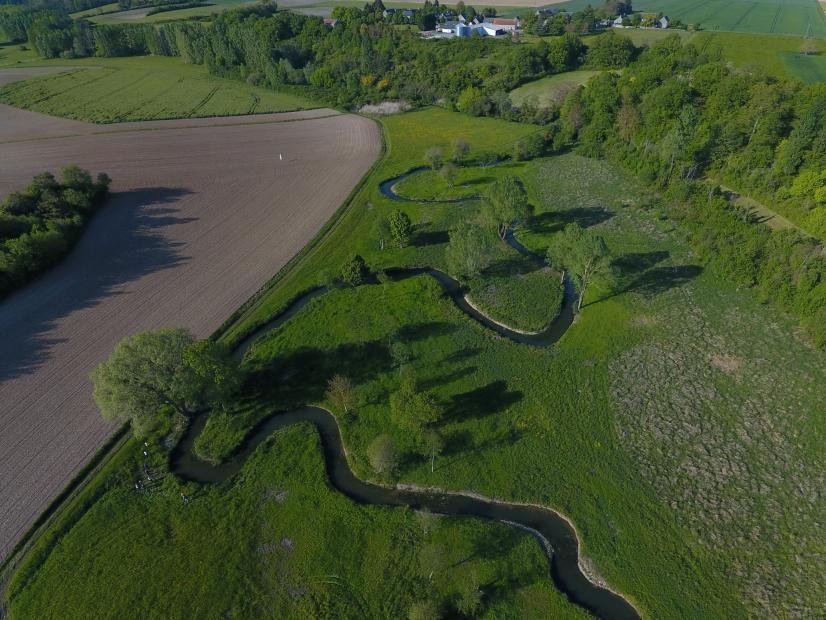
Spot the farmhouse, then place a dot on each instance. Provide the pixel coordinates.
(331, 23)
(506, 25)
(664, 21)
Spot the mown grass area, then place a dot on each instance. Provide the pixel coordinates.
(143, 88)
(676, 422)
(275, 542)
(550, 90)
(526, 301)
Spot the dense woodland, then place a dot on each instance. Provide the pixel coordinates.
(41, 223)
(675, 115)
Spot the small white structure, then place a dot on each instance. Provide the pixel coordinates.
(618, 21)
(664, 21)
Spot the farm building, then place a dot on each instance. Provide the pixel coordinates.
(504, 24)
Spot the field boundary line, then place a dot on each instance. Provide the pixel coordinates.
(63, 503)
(57, 508)
(329, 227)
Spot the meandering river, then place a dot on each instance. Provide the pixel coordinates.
(555, 533)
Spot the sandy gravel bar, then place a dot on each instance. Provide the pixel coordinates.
(203, 213)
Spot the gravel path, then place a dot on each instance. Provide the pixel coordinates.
(203, 212)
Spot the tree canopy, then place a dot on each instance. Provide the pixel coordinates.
(582, 253)
(505, 203)
(163, 369)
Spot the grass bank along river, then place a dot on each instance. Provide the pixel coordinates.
(649, 424)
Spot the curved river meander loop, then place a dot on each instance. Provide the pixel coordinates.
(554, 532)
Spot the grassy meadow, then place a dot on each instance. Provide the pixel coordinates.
(274, 542)
(655, 425)
(550, 90)
(142, 88)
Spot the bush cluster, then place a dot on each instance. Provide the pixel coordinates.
(41, 223)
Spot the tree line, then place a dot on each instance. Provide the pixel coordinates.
(364, 59)
(684, 121)
(40, 224)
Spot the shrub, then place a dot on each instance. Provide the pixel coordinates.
(353, 271)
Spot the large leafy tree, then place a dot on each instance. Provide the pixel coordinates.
(505, 203)
(583, 254)
(469, 250)
(167, 368)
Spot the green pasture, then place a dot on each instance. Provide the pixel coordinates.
(550, 90)
(809, 69)
(776, 55)
(140, 15)
(655, 425)
(143, 88)
(789, 17)
(778, 17)
(275, 542)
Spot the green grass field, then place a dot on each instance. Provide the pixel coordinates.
(809, 69)
(143, 88)
(776, 55)
(790, 17)
(655, 424)
(550, 90)
(782, 17)
(276, 542)
(140, 15)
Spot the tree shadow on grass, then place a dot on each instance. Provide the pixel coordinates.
(656, 280)
(462, 355)
(302, 375)
(480, 180)
(481, 402)
(552, 221)
(423, 331)
(661, 279)
(636, 262)
(444, 379)
(508, 267)
(430, 237)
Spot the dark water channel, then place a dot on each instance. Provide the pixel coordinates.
(554, 532)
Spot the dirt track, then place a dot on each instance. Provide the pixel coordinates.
(203, 213)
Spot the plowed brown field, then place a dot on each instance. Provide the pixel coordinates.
(202, 213)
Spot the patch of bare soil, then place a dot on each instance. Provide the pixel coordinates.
(203, 213)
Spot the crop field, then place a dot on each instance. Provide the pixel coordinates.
(132, 89)
(809, 69)
(202, 214)
(550, 90)
(791, 17)
(141, 15)
(653, 425)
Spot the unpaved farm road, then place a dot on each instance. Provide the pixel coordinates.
(202, 214)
